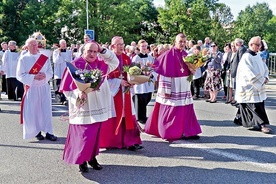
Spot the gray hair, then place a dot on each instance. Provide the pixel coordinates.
(62, 40)
(238, 40)
(29, 40)
(12, 43)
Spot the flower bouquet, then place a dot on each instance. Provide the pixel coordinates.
(85, 80)
(135, 74)
(195, 61)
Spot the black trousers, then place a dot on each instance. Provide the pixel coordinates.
(252, 114)
(58, 96)
(195, 87)
(4, 84)
(140, 103)
(15, 89)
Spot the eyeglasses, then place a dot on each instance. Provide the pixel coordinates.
(257, 44)
(120, 44)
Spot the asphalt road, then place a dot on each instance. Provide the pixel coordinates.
(225, 153)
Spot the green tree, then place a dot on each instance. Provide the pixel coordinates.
(253, 21)
(222, 20)
(10, 19)
(124, 18)
(190, 16)
(20, 18)
(270, 37)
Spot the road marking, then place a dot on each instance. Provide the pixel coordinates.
(59, 109)
(233, 156)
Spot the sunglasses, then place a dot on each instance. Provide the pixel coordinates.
(213, 46)
(257, 44)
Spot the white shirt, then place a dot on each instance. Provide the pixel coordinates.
(145, 87)
(98, 107)
(59, 60)
(37, 107)
(10, 60)
(251, 74)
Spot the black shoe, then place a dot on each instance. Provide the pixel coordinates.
(58, 98)
(137, 146)
(255, 128)
(94, 163)
(195, 137)
(39, 136)
(132, 148)
(51, 137)
(83, 167)
(237, 122)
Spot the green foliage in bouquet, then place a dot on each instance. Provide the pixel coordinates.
(133, 69)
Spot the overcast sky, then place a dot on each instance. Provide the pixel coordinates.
(237, 5)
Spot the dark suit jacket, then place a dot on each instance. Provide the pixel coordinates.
(226, 65)
(236, 60)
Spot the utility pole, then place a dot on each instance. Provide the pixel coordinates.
(87, 27)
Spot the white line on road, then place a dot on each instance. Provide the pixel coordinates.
(59, 109)
(233, 156)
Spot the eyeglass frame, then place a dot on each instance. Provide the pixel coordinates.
(120, 44)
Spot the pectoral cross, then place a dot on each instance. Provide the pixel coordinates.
(121, 76)
(182, 70)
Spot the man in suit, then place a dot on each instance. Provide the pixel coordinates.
(241, 49)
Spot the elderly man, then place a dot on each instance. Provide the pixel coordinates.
(173, 116)
(4, 47)
(241, 49)
(82, 143)
(86, 39)
(252, 75)
(60, 57)
(34, 71)
(123, 131)
(207, 43)
(10, 60)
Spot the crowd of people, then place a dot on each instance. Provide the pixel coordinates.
(111, 116)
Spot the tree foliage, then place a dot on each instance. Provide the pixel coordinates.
(270, 37)
(253, 21)
(133, 20)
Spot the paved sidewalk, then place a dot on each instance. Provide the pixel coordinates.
(271, 85)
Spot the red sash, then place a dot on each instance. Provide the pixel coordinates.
(34, 70)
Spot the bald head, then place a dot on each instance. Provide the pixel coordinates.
(117, 45)
(255, 43)
(90, 51)
(32, 45)
(62, 44)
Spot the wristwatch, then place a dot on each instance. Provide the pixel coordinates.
(103, 51)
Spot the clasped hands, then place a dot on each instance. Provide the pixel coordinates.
(266, 80)
(125, 83)
(82, 98)
(40, 76)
